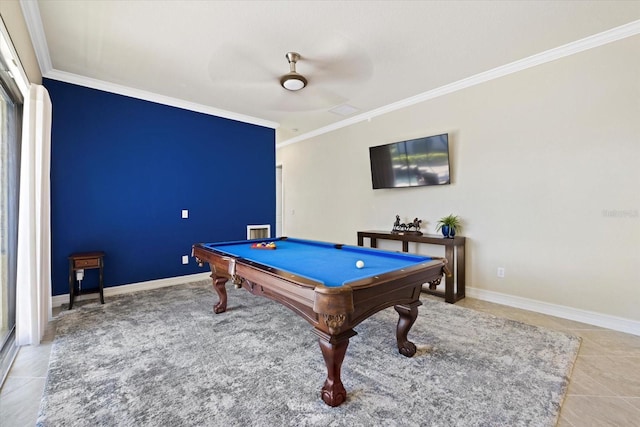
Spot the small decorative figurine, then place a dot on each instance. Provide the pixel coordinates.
(411, 228)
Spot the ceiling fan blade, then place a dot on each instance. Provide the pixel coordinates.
(243, 66)
(256, 75)
(336, 60)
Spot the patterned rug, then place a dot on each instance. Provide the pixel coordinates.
(162, 358)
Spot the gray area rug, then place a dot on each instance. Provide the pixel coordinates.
(162, 358)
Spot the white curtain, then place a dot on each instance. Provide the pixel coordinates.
(33, 292)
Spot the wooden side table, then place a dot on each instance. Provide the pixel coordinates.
(84, 261)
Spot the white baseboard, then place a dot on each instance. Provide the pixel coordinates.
(590, 317)
(58, 300)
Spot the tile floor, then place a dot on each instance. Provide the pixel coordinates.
(22, 389)
(604, 389)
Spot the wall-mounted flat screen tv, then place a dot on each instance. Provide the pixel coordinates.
(413, 163)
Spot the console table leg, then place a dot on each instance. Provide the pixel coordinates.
(460, 273)
(72, 284)
(449, 294)
(101, 283)
(408, 315)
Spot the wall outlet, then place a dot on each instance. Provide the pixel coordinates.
(501, 272)
(185, 259)
(185, 213)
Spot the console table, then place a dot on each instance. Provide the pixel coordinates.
(454, 254)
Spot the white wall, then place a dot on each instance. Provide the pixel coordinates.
(16, 26)
(546, 178)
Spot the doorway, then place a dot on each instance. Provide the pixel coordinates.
(279, 201)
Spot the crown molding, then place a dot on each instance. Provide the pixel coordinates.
(31, 14)
(596, 40)
(34, 25)
(33, 20)
(76, 79)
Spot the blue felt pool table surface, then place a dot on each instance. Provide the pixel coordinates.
(332, 265)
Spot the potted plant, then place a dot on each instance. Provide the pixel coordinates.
(449, 225)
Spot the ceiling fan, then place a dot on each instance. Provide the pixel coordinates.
(293, 80)
(327, 75)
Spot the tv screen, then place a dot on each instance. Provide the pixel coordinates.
(413, 163)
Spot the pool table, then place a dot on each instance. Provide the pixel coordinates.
(321, 283)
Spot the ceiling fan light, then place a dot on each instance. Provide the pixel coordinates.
(293, 81)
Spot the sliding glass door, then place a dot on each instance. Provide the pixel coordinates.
(11, 124)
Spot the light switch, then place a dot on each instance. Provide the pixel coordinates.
(185, 213)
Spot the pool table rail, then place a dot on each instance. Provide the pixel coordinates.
(322, 306)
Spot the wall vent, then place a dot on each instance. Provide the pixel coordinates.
(258, 231)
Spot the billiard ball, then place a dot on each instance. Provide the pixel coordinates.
(359, 264)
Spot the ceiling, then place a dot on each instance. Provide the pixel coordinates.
(226, 57)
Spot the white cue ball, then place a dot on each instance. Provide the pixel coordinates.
(359, 264)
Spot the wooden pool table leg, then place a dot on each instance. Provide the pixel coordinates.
(334, 348)
(219, 286)
(408, 315)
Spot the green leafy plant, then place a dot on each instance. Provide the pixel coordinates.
(452, 221)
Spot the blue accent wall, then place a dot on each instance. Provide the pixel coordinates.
(122, 170)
